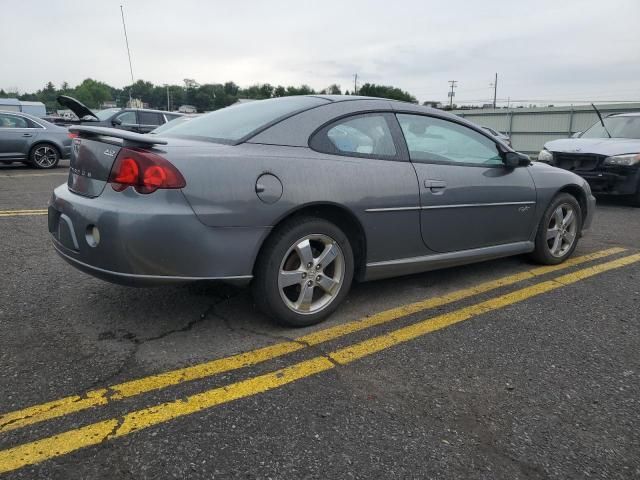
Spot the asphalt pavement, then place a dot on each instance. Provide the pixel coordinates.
(494, 370)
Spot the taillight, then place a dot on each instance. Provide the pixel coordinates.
(72, 135)
(143, 170)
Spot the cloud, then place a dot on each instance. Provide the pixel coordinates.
(542, 48)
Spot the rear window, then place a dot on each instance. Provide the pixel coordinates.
(228, 125)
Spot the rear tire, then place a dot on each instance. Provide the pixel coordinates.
(559, 230)
(44, 156)
(304, 271)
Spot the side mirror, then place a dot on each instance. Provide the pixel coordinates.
(116, 122)
(576, 135)
(515, 159)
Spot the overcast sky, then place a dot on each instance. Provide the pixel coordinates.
(542, 50)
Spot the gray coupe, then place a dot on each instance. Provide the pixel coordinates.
(301, 195)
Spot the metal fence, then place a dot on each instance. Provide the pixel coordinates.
(531, 128)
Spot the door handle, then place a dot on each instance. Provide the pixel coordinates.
(27, 135)
(435, 184)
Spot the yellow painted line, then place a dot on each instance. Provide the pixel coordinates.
(22, 213)
(93, 434)
(93, 398)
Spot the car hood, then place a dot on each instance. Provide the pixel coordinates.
(599, 146)
(76, 107)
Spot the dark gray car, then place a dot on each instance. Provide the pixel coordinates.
(31, 140)
(300, 195)
(139, 120)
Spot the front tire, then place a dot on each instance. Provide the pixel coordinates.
(304, 272)
(559, 230)
(44, 156)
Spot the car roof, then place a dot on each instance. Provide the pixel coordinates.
(153, 111)
(33, 118)
(22, 114)
(296, 129)
(627, 114)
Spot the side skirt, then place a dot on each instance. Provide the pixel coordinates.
(408, 266)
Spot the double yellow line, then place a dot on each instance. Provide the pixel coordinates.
(22, 213)
(66, 442)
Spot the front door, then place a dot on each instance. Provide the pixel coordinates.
(468, 198)
(15, 136)
(126, 120)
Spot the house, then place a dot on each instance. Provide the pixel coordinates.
(187, 109)
(32, 108)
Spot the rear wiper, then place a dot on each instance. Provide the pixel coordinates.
(601, 121)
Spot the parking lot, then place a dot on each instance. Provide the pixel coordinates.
(497, 370)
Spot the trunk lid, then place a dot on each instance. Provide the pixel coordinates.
(91, 162)
(76, 107)
(93, 153)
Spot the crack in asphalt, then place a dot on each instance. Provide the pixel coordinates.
(136, 342)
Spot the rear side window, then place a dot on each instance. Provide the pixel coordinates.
(150, 118)
(231, 124)
(11, 121)
(361, 136)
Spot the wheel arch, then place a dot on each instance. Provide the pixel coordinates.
(580, 195)
(39, 143)
(337, 214)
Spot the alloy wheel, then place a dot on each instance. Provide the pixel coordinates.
(45, 156)
(562, 230)
(311, 274)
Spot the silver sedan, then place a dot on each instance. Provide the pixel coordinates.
(31, 140)
(299, 196)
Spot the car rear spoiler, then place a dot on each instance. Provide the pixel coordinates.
(131, 139)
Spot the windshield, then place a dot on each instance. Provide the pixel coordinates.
(106, 113)
(618, 127)
(231, 124)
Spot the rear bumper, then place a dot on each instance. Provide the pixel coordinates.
(66, 152)
(148, 239)
(613, 180)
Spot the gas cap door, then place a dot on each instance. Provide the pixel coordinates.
(268, 188)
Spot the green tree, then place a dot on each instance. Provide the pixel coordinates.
(332, 90)
(386, 91)
(92, 93)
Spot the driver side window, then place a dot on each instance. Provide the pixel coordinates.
(431, 139)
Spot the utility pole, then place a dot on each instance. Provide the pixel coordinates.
(126, 39)
(355, 84)
(453, 84)
(168, 108)
(495, 90)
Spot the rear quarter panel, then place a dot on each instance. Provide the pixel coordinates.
(221, 188)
